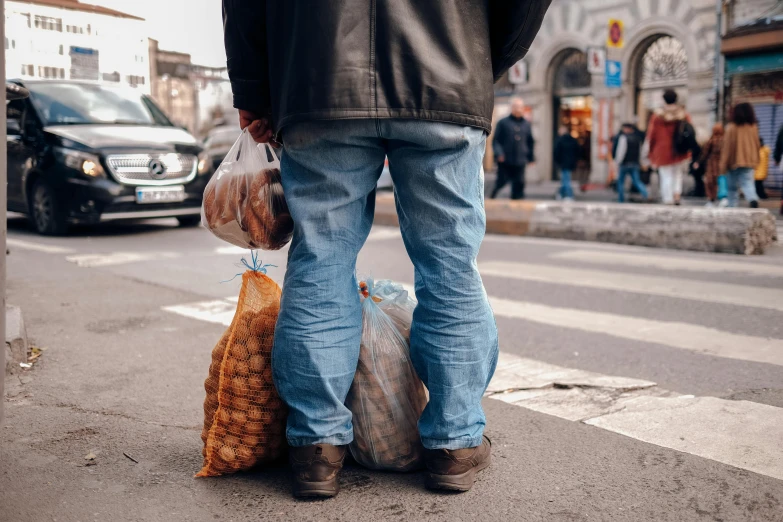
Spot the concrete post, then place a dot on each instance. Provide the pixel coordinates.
(4, 221)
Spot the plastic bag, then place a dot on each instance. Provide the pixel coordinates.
(244, 202)
(244, 417)
(386, 397)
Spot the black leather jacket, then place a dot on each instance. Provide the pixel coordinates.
(300, 60)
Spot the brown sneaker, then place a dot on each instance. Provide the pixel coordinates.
(315, 469)
(455, 470)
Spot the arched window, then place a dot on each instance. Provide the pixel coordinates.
(664, 64)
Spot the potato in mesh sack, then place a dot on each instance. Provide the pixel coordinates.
(244, 202)
(386, 397)
(244, 417)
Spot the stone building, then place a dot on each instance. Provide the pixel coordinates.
(192, 96)
(666, 44)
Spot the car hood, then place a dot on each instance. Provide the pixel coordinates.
(124, 136)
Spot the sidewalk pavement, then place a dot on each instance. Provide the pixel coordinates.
(125, 384)
(546, 190)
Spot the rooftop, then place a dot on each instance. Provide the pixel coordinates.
(78, 6)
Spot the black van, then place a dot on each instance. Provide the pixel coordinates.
(86, 153)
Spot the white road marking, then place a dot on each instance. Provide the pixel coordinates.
(743, 434)
(738, 433)
(119, 258)
(383, 234)
(685, 336)
(724, 293)
(36, 247)
(219, 311)
(231, 250)
(691, 264)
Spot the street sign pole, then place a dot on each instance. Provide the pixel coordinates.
(4, 224)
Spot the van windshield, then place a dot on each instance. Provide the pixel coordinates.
(85, 104)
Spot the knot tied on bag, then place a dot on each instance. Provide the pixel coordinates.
(257, 265)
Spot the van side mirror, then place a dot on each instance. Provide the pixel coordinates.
(13, 128)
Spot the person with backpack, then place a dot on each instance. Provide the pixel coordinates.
(671, 138)
(342, 85)
(710, 161)
(628, 157)
(740, 154)
(566, 153)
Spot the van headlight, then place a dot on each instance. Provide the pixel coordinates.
(203, 163)
(87, 164)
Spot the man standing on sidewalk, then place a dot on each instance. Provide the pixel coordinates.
(628, 158)
(343, 84)
(566, 157)
(663, 155)
(513, 147)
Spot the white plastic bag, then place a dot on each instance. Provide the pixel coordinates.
(244, 202)
(386, 397)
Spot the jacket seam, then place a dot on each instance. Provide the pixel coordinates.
(368, 113)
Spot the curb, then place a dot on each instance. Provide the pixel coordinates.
(17, 347)
(734, 231)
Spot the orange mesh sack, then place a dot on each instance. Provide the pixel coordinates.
(244, 202)
(244, 417)
(386, 397)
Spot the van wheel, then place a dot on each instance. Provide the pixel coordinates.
(46, 211)
(189, 221)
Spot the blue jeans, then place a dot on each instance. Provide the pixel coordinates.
(741, 178)
(633, 170)
(329, 173)
(565, 184)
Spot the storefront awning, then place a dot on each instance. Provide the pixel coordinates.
(754, 63)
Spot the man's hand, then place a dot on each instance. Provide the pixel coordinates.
(258, 128)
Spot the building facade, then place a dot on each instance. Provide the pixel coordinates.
(663, 44)
(66, 39)
(752, 47)
(192, 96)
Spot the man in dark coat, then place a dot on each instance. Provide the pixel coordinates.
(567, 151)
(513, 147)
(342, 85)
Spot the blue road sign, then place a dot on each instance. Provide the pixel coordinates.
(613, 76)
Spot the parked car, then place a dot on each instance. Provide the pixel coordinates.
(218, 141)
(86, 153)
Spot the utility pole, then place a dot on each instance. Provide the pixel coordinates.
(4, 225)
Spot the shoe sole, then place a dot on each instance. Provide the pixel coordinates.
(459, 483)
(325, 489)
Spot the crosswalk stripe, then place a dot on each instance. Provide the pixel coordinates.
(691, 264)
(36, 247)
(743, 434)
(685, 336)
(119, 258)
(723, 293)
(739, 433)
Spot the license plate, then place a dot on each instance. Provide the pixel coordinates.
(173, 194)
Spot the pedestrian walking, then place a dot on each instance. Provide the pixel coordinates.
(710, 161)
(671, 139)
(628, 158)
(762, 170)
(513, 146)
(342, 85)
(566, 153)
(740, 155)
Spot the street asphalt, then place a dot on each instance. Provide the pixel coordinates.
(118, 311)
